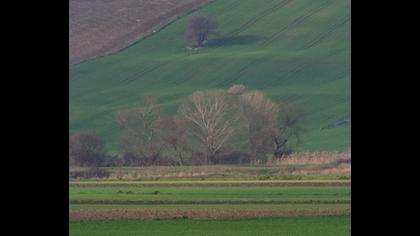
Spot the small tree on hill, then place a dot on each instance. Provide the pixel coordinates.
(199, 28)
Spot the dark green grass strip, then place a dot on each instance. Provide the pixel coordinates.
(173, 202)
(278, 226)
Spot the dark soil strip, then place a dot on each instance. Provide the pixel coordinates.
(173, 202)
(114, 214)
(239, 184)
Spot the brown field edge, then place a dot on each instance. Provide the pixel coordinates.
(113, 214)
(268, 184)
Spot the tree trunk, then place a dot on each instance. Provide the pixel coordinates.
(180, 159)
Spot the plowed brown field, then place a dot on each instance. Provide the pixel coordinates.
(98, 27)
(108, 214)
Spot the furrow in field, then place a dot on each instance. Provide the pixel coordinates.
(260, 16)
(108, 214)
(326, 34)
(298, 21)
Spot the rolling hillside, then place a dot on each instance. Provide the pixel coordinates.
(98, 27)
(293, 50)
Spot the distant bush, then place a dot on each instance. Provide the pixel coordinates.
(93, 172)
(167, 161)
(233, 157)
(86, 148)
(197, 158)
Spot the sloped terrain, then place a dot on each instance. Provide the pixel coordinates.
(294, 50)
(98, 27)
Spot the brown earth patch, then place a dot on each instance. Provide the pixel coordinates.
(239, 184)
(173, 202)
(98, 27)
(113, 214)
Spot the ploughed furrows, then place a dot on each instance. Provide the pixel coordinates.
(97, 27)
(113, 214)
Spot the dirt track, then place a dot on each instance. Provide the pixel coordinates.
(173, 202)
(107, 214)
(98, 27)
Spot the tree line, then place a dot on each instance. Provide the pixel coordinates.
(211, 127)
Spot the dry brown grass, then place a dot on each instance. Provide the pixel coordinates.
(322, 163)
(317, 158)
(307, 165)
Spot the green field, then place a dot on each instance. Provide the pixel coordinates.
(328, 207)
(211, 206)
(282, 226)
(295, 51)
(211, 193)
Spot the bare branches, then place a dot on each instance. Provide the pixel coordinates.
(260, 115)
(86, 148)
(140, 129)
(207, 112)
(208, 120)
(174, 133)
(288, 128)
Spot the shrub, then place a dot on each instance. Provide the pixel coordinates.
(92, 172)
(86, 148)
(197, 158)
(233, 157)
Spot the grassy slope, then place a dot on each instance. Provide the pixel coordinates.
(295, 51)
(296, 226)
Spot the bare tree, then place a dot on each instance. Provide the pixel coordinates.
(199, 28)
(208, 115)
(260, 116)
(288, 128)
(140, 130)
(86, 148)
(175, 135)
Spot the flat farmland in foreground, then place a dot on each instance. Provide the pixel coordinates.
(280, 226)
(163, 200)
(211, 193)
(210, 207)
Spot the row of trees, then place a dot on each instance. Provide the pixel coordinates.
(208, 126)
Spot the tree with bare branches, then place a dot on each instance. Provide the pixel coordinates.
(208, 116)
(260, 115)
(174, 133)
(86, 148)
(199, 28)
(140, 128)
